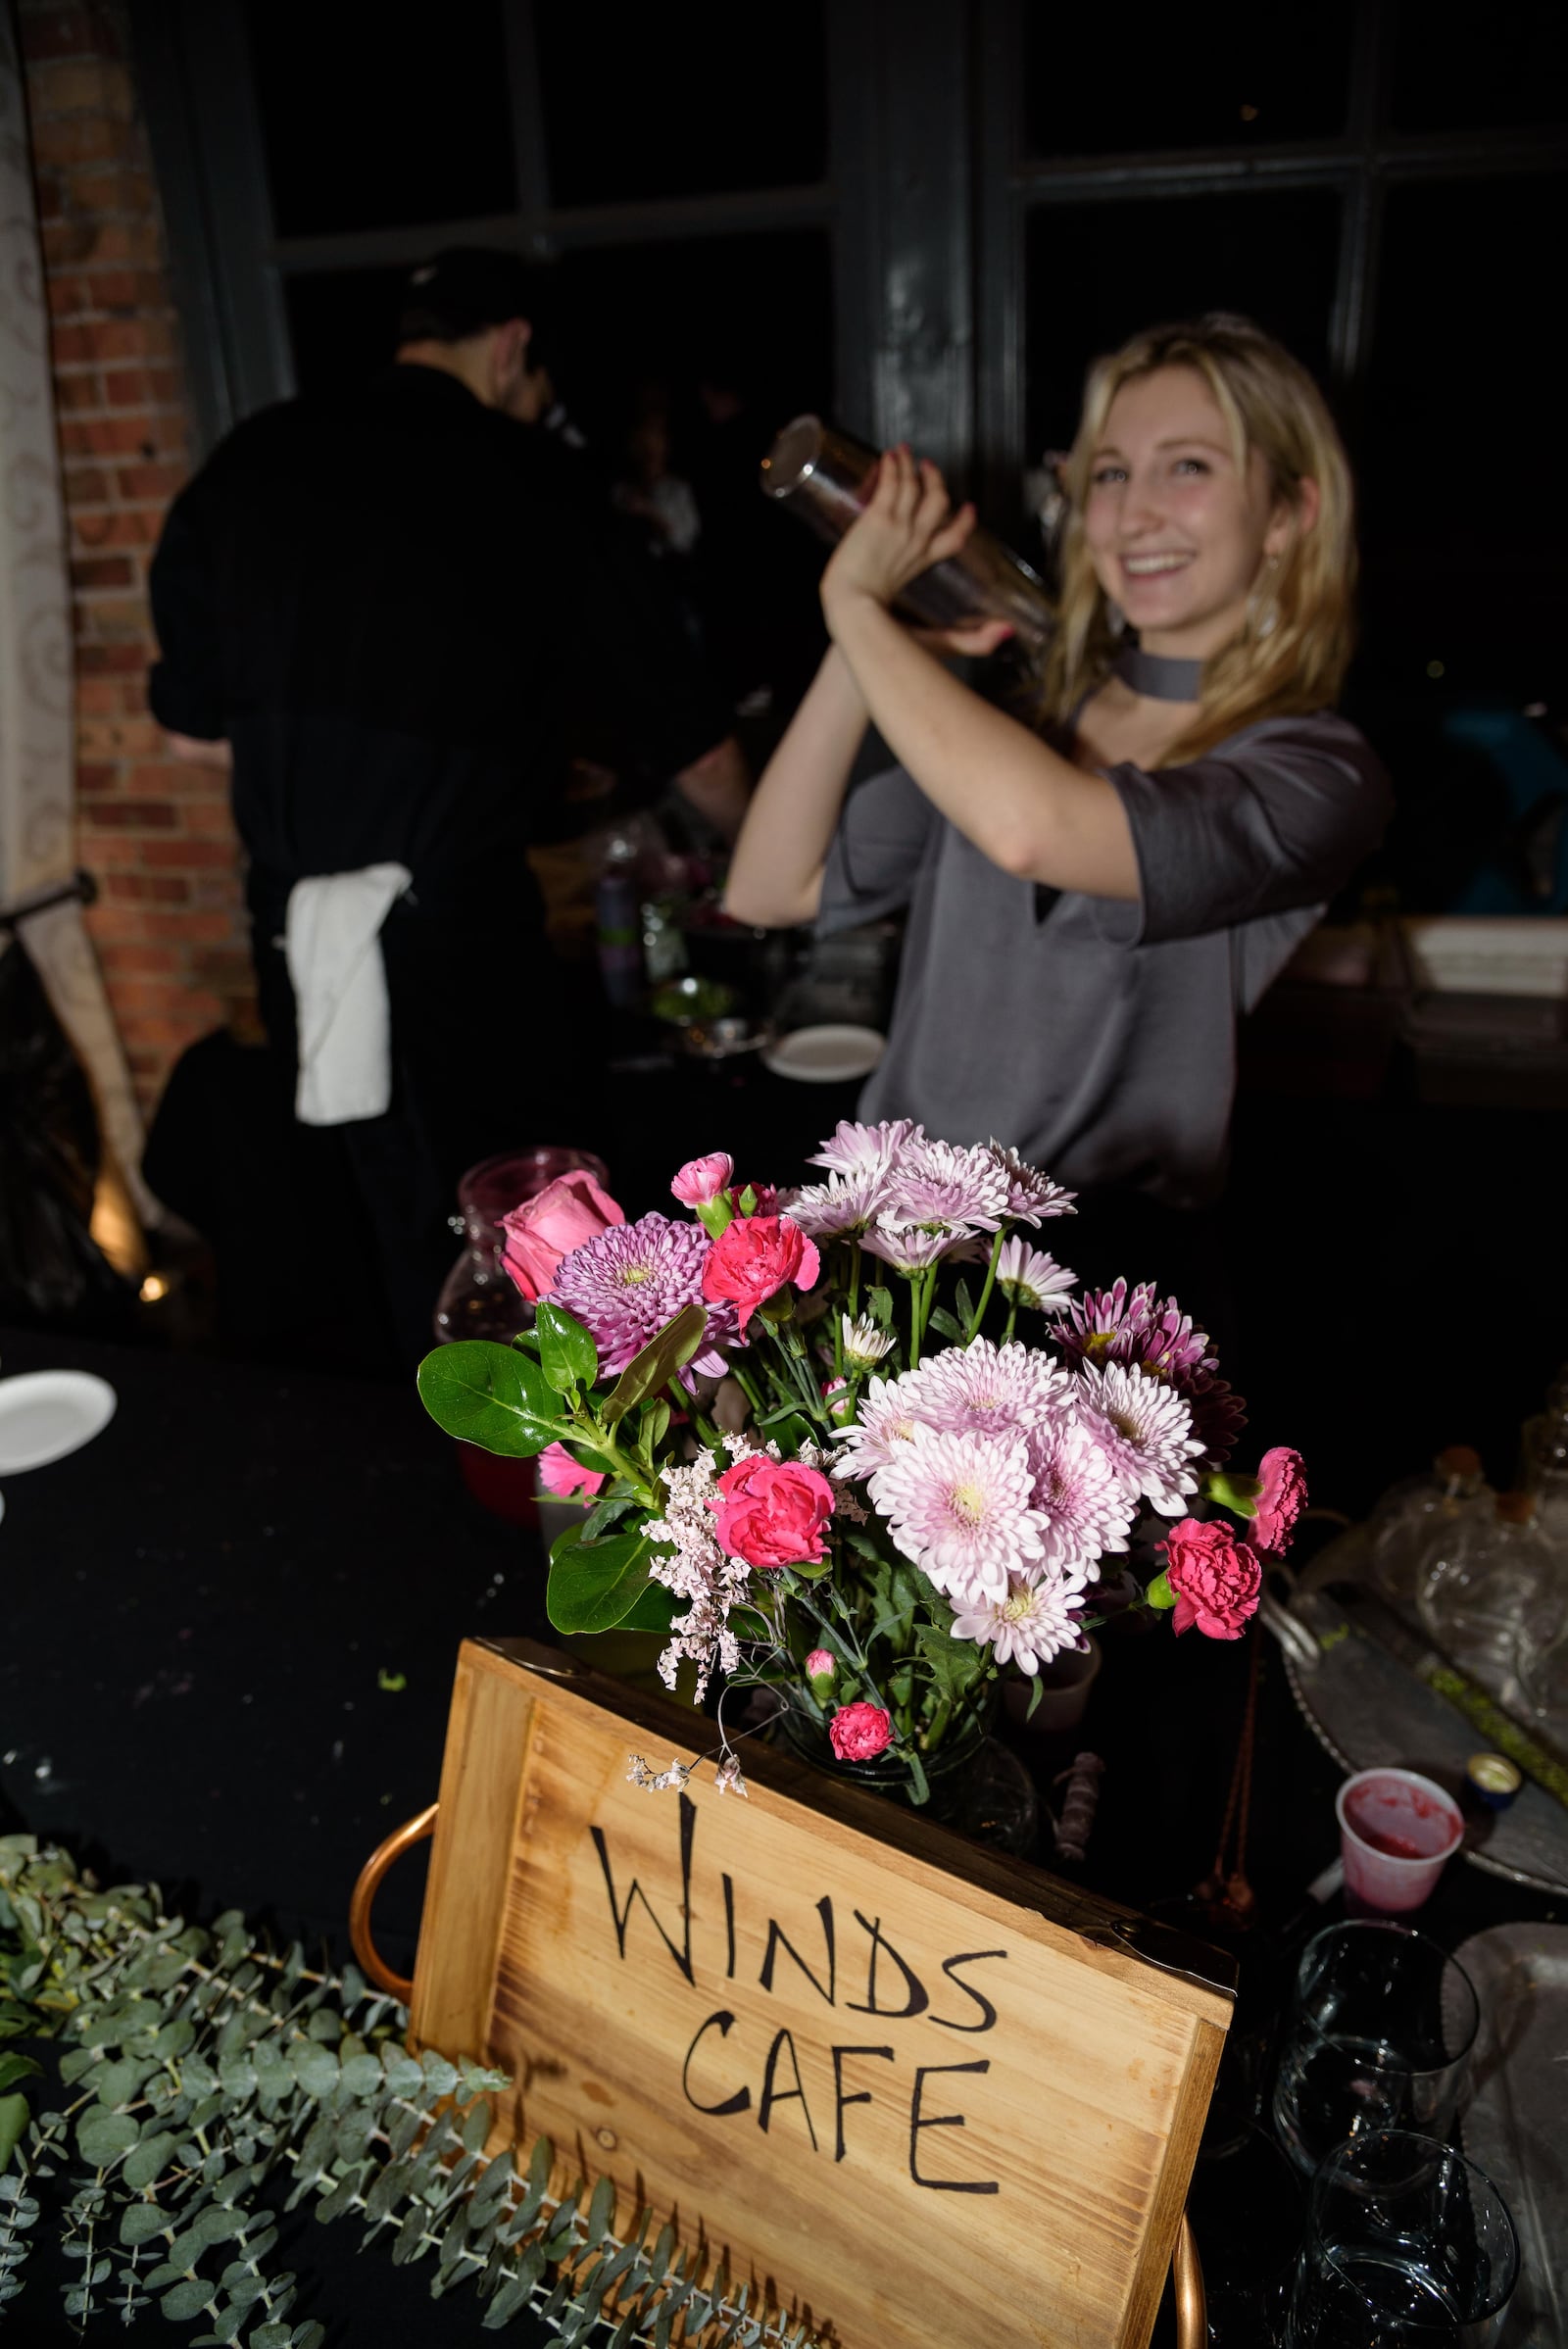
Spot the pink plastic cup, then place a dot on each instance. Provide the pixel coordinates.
(1397, 1831)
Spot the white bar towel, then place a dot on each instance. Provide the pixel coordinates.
(333, 939)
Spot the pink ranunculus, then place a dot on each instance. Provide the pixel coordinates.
(1281, 1498)
(755, 1257)
(1218, 1580)
(773, 1512)
(861, 1732)
(702, 1179)
(560, 1473)
(820, 1664)
(567, 1212)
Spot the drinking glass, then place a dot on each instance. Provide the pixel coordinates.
(1380, 2035)
(1409, 2246)
(1249, 2213)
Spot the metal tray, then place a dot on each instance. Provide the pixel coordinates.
(1516, 2124)
(1367, 1706)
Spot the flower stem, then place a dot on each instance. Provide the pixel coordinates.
(990, 1283)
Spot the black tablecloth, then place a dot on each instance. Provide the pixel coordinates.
(227, 1632)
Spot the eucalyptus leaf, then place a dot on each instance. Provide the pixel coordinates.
(567, 1355)
(658, 1363)
(490, 1395)
(187, 2299)
(143, 2163)
(103, 2136)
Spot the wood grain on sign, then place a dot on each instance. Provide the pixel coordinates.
(907, 2086)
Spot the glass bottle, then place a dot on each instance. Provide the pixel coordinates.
(1544, 1461)
(479, 1298)
(1410, 1512)
(1490, 1590)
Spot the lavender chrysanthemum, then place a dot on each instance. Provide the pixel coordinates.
(1031, 1194)
(990, 1388)
(911, 1246)
(1087, 1500)
(958, 1505)
(936, 1183)
(1032, 1279)
(1134, 1326)
(1146, 1428)
(885, 1422)
(845, 1204)
(855, 1149)
(1035, 1619)
(624, 1285)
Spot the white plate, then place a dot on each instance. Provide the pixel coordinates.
(44, 1414)
(828, 1056)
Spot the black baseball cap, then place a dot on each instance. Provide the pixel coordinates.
(465, 289)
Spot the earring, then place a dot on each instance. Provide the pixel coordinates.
(1116, 618)
(1262, 607)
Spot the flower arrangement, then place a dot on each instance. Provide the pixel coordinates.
(817, 1458)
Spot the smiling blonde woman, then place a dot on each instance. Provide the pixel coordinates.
(1092, 904)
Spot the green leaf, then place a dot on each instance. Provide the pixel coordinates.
(18, 2067)
(1160, 1592)
(140, 2222)
(490, 1395)
(965, 1304)
(664, 1355)
(600, 1520)
(879, 1304)
(567, 1355)
(654, 1427)
(653, 1610)
(103, 2136)
(593, 1588)
(144, 2165)
(13, 2124)
(948, 1325)
(187, 2299)
(1236, 1492)
(920, 1784)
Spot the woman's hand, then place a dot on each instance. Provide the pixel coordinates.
(908, 525)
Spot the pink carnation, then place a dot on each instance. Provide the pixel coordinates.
(702, 1179)
(753, 1258)
(558, 1472)
(1282, 1496)
(861, 1732)
(773, 1512)
(820, 1664)
(1218, 1580)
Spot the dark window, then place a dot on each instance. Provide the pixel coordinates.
(1098, 273)
(376, 129)
(1100, 82)
(694, 101)
(1464, 483)
(1458, 66)
(341, 323)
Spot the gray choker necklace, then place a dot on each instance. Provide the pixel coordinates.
(1161, 679)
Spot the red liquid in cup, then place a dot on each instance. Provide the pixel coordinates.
(1398, 1830)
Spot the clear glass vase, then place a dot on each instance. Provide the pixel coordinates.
(479, 1298)
(974, 1782)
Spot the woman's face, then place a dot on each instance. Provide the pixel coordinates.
(1176, 530)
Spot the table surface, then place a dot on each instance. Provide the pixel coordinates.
(229, 1631)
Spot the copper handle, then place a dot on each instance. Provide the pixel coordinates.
(372, 1962)
(1186, 2278)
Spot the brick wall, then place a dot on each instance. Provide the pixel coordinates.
(157, 835)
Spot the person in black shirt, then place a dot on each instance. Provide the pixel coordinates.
(380, 609)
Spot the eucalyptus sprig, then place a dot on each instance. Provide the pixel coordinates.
(210, 2082)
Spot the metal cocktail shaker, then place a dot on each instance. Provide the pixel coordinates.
(825, 478)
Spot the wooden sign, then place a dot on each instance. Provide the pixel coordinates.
(919, 2093)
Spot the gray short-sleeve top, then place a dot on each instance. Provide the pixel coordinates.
(1097, 1035)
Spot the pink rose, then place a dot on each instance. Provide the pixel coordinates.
(560, 1473)
(820, 1664)
(567, 1212)
(1281, 1498)
(1218, 1580)
(861, 1732)
(773, 1512)
(755, 1257)
(702, 1179)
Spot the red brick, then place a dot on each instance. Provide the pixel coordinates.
(136, 816)
(72, 392)
(106, 570)
(58, 31)
(85, 485)
(187, 856)
(97, 85)
(126, 526)
(129, 388)
(66, 295)
(152, 889)
(78, 139)
(104, 435)
(210, 819)
(128, 289)
(166, 387)
(153, 961)
(91, 780)
(95, 189)
(94, 658)
(151, 481)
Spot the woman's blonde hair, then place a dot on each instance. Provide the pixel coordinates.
(1296, 642)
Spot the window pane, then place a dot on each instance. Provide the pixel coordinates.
(1458, 66)
(367, 128)
(1098, 273)
(1235, 75)
(1464, 485)
(341, 323)
(691, 102)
